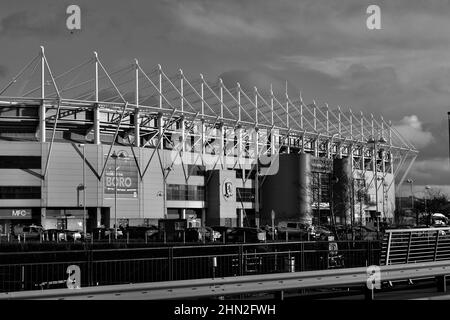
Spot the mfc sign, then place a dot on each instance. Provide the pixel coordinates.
(15, 214)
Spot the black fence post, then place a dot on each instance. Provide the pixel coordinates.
(368, 293)
(241, 260)
(302, 256)
(441, 282)
(170, 263)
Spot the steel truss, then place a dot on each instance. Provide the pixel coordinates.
(200, 120)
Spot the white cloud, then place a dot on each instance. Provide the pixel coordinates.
(221, 23)
(410, 127)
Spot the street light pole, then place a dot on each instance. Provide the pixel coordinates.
(411, 181)
(84, 191)
(375, 172)
(426, 207)
(115, 196)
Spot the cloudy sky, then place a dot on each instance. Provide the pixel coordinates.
(322, 48)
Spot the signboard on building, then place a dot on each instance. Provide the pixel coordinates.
(321, 165)
(127, 176)
(13, 214)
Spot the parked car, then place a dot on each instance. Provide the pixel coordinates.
(271, 232)
(202, 233)
(105, 233)
(32, 232)
(54, 235)
(140, 232)
(365, 233)
(320, 233)
(223, 230)
(247, 235)
(70, 235)
(294, 230)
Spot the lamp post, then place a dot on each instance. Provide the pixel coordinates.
(115, 156)
(84, 190)
(411, 181)
(333, 181)
(427, 188)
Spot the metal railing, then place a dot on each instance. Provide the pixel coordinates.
(119, 266)
(415, 245)
(229, 286)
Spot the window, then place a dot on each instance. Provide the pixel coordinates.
(20, 162)
(321, 187)
(195, 170)
(245, 194)
(20, 192)
(185, 192)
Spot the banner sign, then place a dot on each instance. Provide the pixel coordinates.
(321, 165)
(13, 214)
(127, 176)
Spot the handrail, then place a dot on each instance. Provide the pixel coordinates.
(237, 285)
(416, 230)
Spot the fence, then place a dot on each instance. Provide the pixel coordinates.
(121, 266)
(415, 245)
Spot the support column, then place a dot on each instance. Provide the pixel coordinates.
(160, 131)
(42, 125)
(203, 217)
(256, 178)
(96, 109)
(240, 221)
(43, 216)
(99, 217)
(137, 122)
(42, 110)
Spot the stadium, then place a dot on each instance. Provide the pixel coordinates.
(90, 147)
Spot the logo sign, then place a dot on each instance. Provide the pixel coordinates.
(126, 178)
(227, 189)
(15, 214)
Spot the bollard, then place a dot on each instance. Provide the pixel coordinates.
(18, 238)
(244, 236)
(214, 265)
(109, 237)
(128, 237)
(184, 237)
(9, 237)
(146, 237)
(165, 238)
(24, 238)
(287, 236)
(223, 240)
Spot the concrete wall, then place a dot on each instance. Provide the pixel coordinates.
(288, 192)
(221, 207)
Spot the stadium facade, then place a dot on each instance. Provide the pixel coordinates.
(185, 149)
